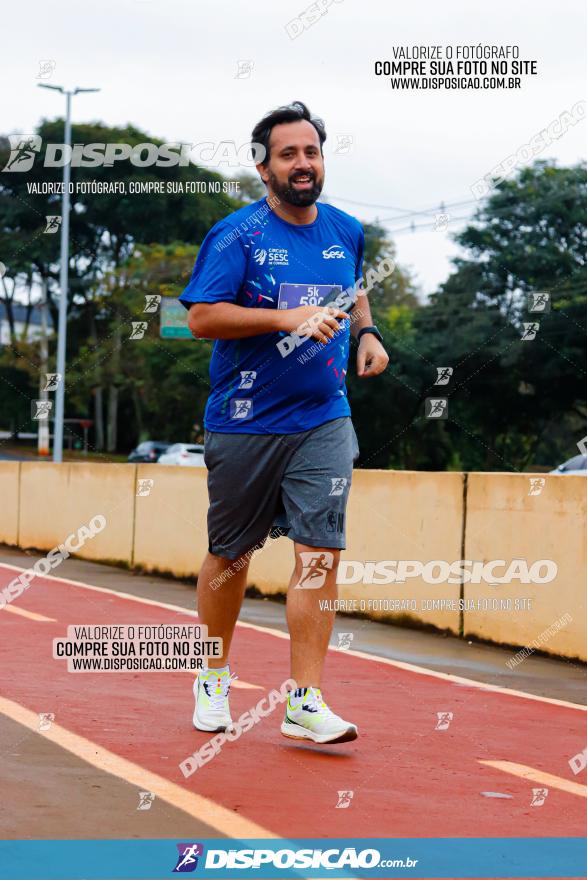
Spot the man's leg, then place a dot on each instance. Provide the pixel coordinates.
(221, 587)
(307, 716)
(309, 626)
(244, 479)
(315, 489)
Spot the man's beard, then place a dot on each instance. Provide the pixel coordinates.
(298, 198)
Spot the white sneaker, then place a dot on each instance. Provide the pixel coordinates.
(308, 717)
(211, 689)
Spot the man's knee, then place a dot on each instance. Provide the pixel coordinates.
(225, 569)
(314, 565)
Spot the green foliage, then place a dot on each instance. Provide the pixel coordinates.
(104, 228)
(511, 403)
(163, 383)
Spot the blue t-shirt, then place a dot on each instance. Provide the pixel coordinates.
(255, 259)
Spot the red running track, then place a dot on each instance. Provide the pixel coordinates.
(408, 779)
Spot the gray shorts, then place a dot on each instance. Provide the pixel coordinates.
(297, 483)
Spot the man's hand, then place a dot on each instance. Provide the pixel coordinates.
(316, 322)
(372, 358)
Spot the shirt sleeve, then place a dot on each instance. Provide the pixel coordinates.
(360, 251)
(219, 271)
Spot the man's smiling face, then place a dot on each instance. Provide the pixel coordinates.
(295, 169)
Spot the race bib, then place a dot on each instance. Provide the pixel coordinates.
(293, 295)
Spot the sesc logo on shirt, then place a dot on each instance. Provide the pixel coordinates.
(278, 256)
(334, 252)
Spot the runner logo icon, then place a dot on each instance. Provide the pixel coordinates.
(344, 799)
(444, 719)
(187, 860)
(338, 485)
(23, 151)
(241, 409)
(247, 378)
(314, 568)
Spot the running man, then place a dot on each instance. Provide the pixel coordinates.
(278, 434)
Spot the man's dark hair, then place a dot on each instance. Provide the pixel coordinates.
(289, 113)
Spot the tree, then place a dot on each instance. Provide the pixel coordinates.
(379, 405)
(511, 389)
(252, 187)
(159, 385)
(104, 231)
(103, 226)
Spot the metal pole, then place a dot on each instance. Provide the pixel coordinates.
(63, 284)
(43, 439)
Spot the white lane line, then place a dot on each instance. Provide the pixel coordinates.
(30, 615)
(205, 810)
(539, 776)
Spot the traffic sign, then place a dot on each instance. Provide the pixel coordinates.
(173, 320)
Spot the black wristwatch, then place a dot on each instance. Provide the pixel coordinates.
(372, 330)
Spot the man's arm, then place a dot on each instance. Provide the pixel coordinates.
(223, 320)
(361, 314)
(372, 358)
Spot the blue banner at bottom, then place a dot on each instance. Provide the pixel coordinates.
(309, 858)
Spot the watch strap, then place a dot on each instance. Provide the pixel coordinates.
(373, 329)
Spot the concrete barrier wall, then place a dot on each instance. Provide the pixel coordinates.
(56, 500)
(156, 520)
(505, 522)
(9, 503)
(409, 515)
(170, 521)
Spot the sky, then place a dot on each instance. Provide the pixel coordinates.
(171, 67)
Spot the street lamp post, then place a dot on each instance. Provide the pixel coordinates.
(63, 273)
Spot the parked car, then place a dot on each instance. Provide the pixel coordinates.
(184, 454)
(576, 465)
(150, 450)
